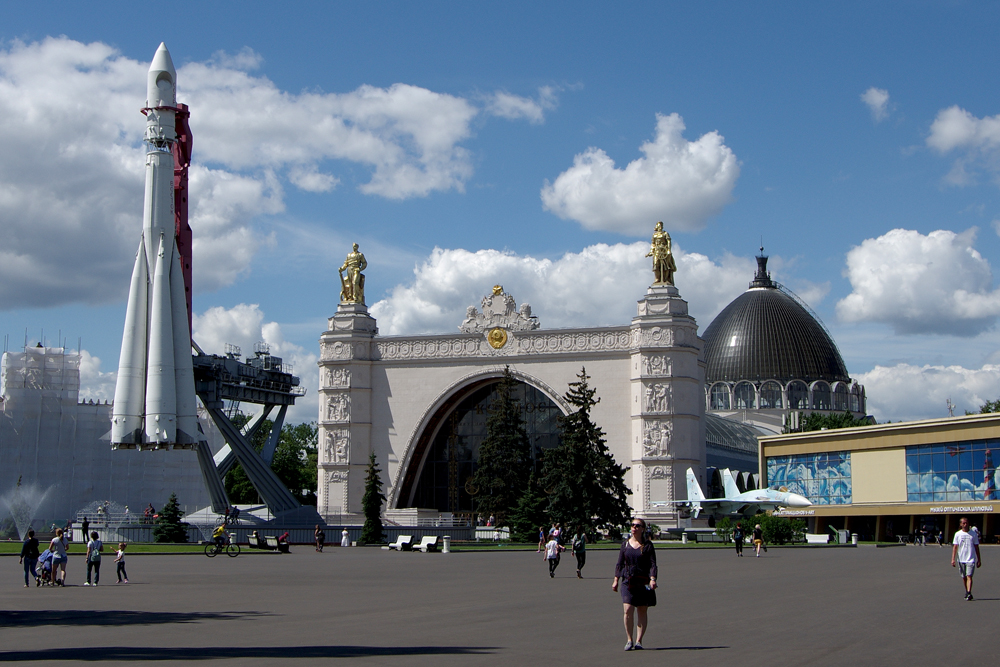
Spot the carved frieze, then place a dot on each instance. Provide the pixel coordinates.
(499, 310)
(338, 408)
(338, 446)
(338, 378)
(658, 397)
(656, 365)
(656, 434)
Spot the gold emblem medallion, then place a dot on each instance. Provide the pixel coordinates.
(497, 337)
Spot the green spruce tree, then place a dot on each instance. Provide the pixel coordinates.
(169, 527)
(586, 486)
(505, 461)
(371, 504)
(529, 514)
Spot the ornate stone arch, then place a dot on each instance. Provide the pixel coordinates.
(432, 418)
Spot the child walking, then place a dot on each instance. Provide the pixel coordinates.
(120, 560)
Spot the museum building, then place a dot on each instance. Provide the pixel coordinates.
(889, 481)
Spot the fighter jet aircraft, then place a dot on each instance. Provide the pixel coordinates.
(735, 503)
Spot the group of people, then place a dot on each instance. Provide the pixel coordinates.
(551, 543)
(48, 568)
(739, 536)
(232, 515)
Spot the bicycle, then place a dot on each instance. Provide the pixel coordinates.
(230, 548)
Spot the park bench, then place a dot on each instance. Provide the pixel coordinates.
(273, 544)
(253, 543)
(814, 538)
(402, 543)
(427, 544)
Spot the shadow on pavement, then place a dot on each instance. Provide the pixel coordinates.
(136, 653)
(28, 619)
(685, 648)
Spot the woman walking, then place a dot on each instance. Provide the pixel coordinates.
(320, 537)
(94, 549)
(58, 547)
(580, 551)
(636, 573)
(541, 539)
(29, 556)
(758, 539)
(738, 538)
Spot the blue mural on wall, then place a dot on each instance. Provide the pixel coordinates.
(825, 479)
(952, 472)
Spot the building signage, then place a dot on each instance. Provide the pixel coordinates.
(972, 509)
(795, 513)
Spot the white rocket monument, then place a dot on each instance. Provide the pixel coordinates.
(155, 405)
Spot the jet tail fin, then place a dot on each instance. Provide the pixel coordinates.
(729, 484)
(694, 488)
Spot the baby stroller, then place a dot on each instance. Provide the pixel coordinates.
(44, 569)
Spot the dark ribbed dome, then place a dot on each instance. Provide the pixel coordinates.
(766, 334)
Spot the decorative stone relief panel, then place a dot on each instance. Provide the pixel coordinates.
(338, 408)
(338, 446)
(659, 397)
(657, 365)
(338, 377)
(525, 343)
(499, 310)
(333, 478)
(658, 488)
(656, 435)
(657, 336)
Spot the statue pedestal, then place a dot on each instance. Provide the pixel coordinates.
(668, 403)
(351, 318)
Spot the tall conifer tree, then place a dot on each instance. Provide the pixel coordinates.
(371, 504)
(586, 486)
(505, 461)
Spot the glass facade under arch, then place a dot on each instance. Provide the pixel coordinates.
(820, 396)
(770, 396)
(744, 396)
(798, 395)
(841, 400)
(451, 458)
(719, 397)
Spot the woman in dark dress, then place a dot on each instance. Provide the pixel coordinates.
(636, 572)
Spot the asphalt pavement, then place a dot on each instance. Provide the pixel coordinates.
(805, 606)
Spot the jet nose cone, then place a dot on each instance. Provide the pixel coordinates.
(795, 500)
(162, 61)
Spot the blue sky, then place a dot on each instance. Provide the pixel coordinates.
(521, 129)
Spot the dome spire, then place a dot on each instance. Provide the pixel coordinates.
(763, 277)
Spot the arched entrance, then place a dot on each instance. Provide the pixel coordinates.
(440, 474)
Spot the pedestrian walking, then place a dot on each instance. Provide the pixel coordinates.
(120, 563)
(738, 538)
(580, 551)
(552, 549)
(94, 549)
(541, 539)
(29, 557)
(635, 574)
(345, 538)
(965, 548)
(758, 539)
(320, 538)
(58, 547)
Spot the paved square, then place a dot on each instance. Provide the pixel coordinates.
(793, 606)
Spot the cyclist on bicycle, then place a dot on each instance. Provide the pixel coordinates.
(219, 535)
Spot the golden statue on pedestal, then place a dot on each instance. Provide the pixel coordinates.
(352, 286)
(663, 259)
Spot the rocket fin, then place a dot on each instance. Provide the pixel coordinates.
(126, 420)
(161, 394)
(187, 406)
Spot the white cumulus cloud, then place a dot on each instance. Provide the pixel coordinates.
(916, 283)
(681, 182)
(94, 383)
(907, 392)
(877, 100)
(513, 107)
(244, 325)
(597, 286)
(978, 140)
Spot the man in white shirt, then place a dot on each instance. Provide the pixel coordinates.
(966, 549)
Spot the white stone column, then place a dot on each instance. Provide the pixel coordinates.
(344, 411)
(668, 404)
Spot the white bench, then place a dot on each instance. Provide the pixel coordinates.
(402, 543)
(427, 544)
(814, 538)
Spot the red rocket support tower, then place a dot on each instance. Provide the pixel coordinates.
(182, 160)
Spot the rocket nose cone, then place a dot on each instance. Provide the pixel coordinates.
(162, 61)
